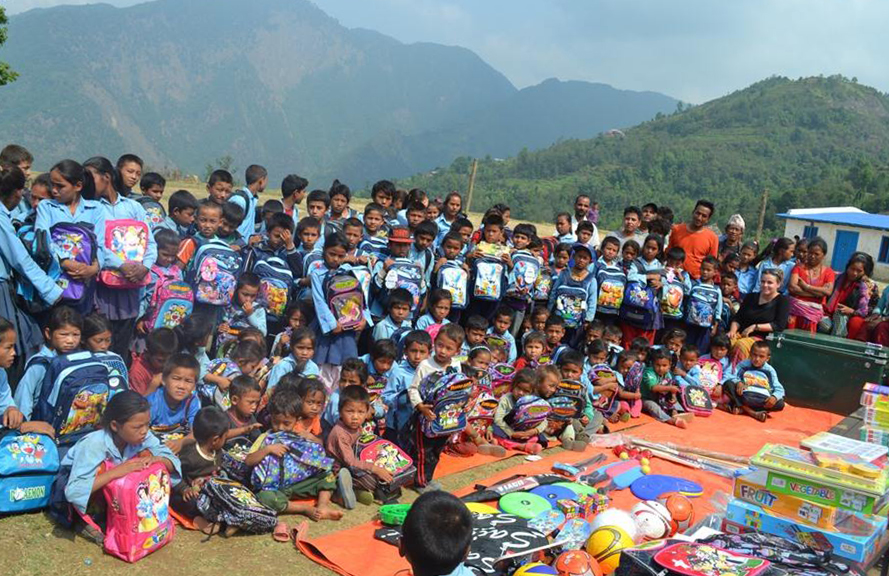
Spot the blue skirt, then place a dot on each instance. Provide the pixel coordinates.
(334, 348)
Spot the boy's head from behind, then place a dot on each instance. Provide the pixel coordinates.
(437, 533)
(161, 344)
(285, 408)
(294, 186)
(353, 406)
(400, 305)
(209, 218)
(210, 426)
(180, 376)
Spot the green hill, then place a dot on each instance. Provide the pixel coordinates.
(811, 142)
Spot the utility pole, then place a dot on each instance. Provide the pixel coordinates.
(762, 214)
(471, 185)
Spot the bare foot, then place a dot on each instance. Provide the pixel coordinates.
(680, 423)
(205, 526)
(230, 531)
(307, 510)
(686, 416)
(325, 513)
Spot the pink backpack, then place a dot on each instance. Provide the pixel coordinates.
(172, 301)
(139, 520)
(128, 240)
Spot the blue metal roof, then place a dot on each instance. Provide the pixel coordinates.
(859, 219)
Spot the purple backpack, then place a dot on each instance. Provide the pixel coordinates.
(76, 242)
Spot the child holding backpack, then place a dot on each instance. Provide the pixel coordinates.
(509, 431)
(417, 346)
(245, 358)
(167, 299)
(575, 293)
(175, 404)
(10, 416)
(640, 311)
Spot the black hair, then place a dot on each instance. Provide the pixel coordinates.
(761, 344)
(596, 324)
(816, 241)
(417, 337)
(503, 209)
(525, 376)
(182, 360)
(243, 384)
(374, 207)
(353, 223)
(731, 256)
(123, 406)
(318, 196)
(273, 207)
(254, 173)
(659, 240)
(415, 196)
(415, 207)
(340, 189)
(452, 332)
(210, 423)
(660, 226)
(181, 200)
(429, 228)
(613, 330)
(655, 354)
(11, 180)
(42, 180)
(6, 326)
(310, 386)
(461, 223)
(353, 394)
(298, 306)
(474, 352)
(723, 276)
(672, 334)
(720, 341)
(335, 240)
(194, 331)
(597, 346)
(494, 220)
(689, 349)
(562, 247)
(633, 210)
(248, 279)
(777, 244)
(865, 259)
(75, 174)
(633, 245)
(103, 165)
(207, 204)
(640, 344)
(437, 296)
(651, 206)
(534, 336)
(233, 214)
(565, 215)
(151, 179)
(300, 334)
(306, 223)
(572, 357)
(453, 237)
(400, 296)
(291, 381)
(94, 324)
(676, 253)
(436, 533)
(504, 310)
(610, 240)
(585, 225)
(706, 204)
(13, 154)
(712, 261)
(477, 322)
(666, 213)
(162, 341)
(383, 348)
(383, 187)
(528, 230)
(166, 238)
(358, 367)
(129, 159)
(62, 316)
(285, 401)
(220, 176)
(247, 350)
(293, 183)
(554, 320)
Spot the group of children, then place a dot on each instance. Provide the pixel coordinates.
(241, 330)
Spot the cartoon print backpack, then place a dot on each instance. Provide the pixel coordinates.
(303, 460)
(214, 273)
(695, 559)
(448, 394)
(696, 400)
(525, 270)
(345, 296)
(703, 301)
(73, 396)
(603, 403)
(372, 449)
(569, 401)
(233, 456)
(76, 242)
(28, 467)
(612, 284)
(528, 412)
(128, 240)
(154, 211)
(138, 520)
(640, 306)
(407, 274)
(172, 300)
(36, 242)
(711, 373)
(177, 430)
(501, 379)
(275, 282)
(488, 278)
(543, 285)
(673, 295)
(455, 279)
(754, 385)
(233, 504)
(571, 302)
(481, 412)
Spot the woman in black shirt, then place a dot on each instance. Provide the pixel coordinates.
(760, 313)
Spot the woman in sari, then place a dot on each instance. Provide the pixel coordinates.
(760, 314)
(848, 307)
(811, 282)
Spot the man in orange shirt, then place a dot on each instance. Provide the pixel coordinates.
(695, 238)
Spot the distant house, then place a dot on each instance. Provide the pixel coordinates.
(846, 230)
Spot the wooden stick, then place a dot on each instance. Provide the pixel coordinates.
(693, 450)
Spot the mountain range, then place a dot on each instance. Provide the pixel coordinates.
(279, 82)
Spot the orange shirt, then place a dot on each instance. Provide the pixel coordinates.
(697, 245)
(186, 251)
(313, 428)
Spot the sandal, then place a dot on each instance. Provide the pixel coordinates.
(281, 533)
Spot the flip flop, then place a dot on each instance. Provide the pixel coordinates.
(281, 533)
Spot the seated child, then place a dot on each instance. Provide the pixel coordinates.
(437, 535)
(524, 383)
(555, 333)
(565, 431)
(612, 335)
(302, 349)
(688, 372)
(439, 306)
(245, 394)
(145, 371)
(296, 316)
(630, 369)
(175, 404)
(672, 342)
(243, 311)
(478, 436)
(755, 389)
(200, 461)
(379, 364)
(353, 373)
(313, 395)
(533, 349)
(398, 318)
(12, 417)
(245, 358)
(354, 409)
(604, 383)
(719, 348)
(659, 392)
(285, 408)
(417, 346)
(640, 347)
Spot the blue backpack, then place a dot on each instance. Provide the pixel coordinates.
(154, 210)
(448, 394)
(571, 301)
(28, 467)
(75, 390)
(673, 296)
(407, 274)
(214, 273)
(702, 302)
(525, 271)
(612, 285)
(453, 278)
(640, 306)
(275, 283)
(754, 385)
(303, 460)
(489, 274)
(37, 243)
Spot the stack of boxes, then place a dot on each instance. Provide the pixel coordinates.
(875, 400)
(793, 492)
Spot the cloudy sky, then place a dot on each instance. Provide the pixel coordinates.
(694, 50)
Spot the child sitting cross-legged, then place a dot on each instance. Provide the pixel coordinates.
(524, 383)
(687, 371)
(354, 409)
(755, 389)
(566, 431)
(437, 533)
(659, 391)
(285, 408)
(352, 373)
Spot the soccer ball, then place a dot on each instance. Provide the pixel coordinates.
(576, 563)
(617, 518)
(605, 546)
(652, 519)
(681, 510)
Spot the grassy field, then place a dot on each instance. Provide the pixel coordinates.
(30, 545)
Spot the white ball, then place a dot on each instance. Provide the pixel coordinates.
(652, 520)
(617, 518)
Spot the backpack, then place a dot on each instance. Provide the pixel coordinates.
(303, 460)
(607, 405)
(28, 467)
(345, 296)
(448, 394)
(275, 281)
(231, 503)
(525, 271)
(754, 385)
(407, 274)
(569, 401)
(233, 455)
(696, 400)
(36, 242)
(77, 242)
(543, 285)
(74, 393)
(488, 279)
(453, 278)
(384, 454)
(501, 379)
(528, 412)
(702, 302)
(640, 305)
(248, 200)
(118, 374)
(481, 412)
(154, 211)
(138, 513)
(214, 273)
(172, 300)
(673, 295)
(711, 373)
(612, 284)
(178, 430)
(571, 301)
(128, 240)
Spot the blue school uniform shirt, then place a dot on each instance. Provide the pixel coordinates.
(386, 327)
(326, 320)
(426, 260)
(6, 400)
(746, 280)
(51, 212)
(125, 209)
(566, 238)
(426, 320)
(691, 378)
(510, 339)
(248, 225)
(13, 256)
(288, 365)
(170, 224)
(395, 396)
(443, 228)
(95, 448)
(27, 393)
(163, 415)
